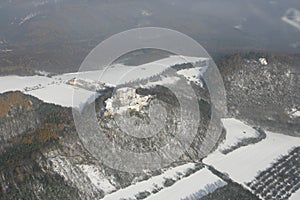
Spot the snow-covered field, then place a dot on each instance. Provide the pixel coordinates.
(14, 83)
(119, 74)
(202, 180)
(192, 74)
(197, 185)
(164, 81)
(236, 132)
(151, 184)
(243, 164)
(50, 90)
(55, 90)
(296, 195)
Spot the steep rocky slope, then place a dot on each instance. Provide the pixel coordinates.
(41, 150)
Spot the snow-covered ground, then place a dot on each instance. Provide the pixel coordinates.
(19, 83)
(192, 74)
(120, 74)
(294, 113)
(50, 90)
(202, 180)
(236, 132)
(164, 81)
(62, 94)
(151, 184)
(296, 195)
(88, 178)
(70, 172)
(55, 89)
(197, 185)
(97, 178)
(245, 163)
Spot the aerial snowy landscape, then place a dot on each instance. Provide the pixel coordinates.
(62, 92)
(154, 100)
(241, 157)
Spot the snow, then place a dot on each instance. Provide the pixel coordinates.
(97, 178)
(28, 17)
(236, 132)
(42, 73)
(6, 50)
(80, 176)
(19, 83)
(295, 113)
(56, 90)
(296, 195)
(183, 189)
(59, 165)
(62, 94)
(177, 60)
(292, 17)
(163, 81)
(150, 184)
(125, 90)
(121, 74)
(192, 74)
(200, 180)
(243, 164)
(46, 89)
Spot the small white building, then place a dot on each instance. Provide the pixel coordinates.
(263, 61)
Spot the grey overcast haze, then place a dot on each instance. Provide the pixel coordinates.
(53, 32)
